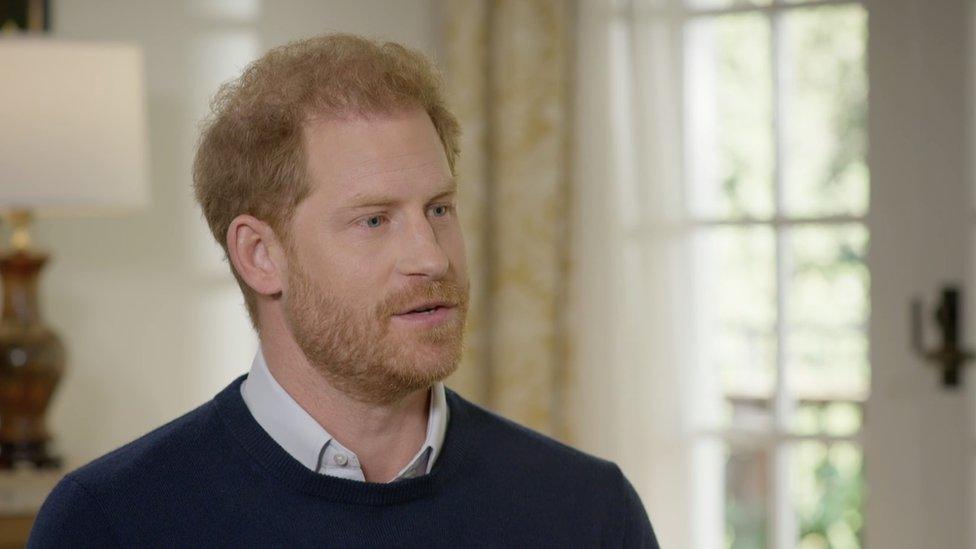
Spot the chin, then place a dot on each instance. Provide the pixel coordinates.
(428, 366)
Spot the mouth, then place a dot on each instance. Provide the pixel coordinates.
(426, 308)
(429, 313)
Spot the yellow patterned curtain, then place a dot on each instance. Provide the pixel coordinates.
(508, 72)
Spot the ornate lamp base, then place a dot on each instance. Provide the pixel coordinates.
(14, 455)
(31, 364)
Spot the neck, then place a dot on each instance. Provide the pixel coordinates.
(384, 436)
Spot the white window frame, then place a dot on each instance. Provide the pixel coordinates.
(783, 530)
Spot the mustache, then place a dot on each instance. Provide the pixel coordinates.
(438, 290)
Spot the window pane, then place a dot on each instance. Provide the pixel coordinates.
(728, 116)
(827, 312)
(828, 490)
(746, 498)
(824, 111)
(814, 418)
(718, 4)
(736, 292)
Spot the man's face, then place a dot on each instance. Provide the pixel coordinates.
(376, 241)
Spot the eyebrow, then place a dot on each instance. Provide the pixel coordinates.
(364, 200)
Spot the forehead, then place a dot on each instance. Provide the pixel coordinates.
(378, 152)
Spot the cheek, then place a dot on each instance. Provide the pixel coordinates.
(362, 276)
(343, 267)
(454, 247)
(345, 263)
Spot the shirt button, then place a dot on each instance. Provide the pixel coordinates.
(340, 460)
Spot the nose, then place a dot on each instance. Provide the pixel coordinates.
(421, 254)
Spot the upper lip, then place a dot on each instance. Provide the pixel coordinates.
(426, 305)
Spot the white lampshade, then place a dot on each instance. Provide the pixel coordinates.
(72, 127)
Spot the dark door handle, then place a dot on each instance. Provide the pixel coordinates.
(950, 357)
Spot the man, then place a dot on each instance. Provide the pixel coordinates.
(327, 174)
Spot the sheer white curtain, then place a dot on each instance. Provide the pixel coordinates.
(639, 393)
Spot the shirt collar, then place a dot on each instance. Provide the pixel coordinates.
(305, 439)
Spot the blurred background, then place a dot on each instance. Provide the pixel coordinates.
(695, 229)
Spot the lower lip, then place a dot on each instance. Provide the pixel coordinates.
(432, 318)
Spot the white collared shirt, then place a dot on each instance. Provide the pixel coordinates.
(308, 442)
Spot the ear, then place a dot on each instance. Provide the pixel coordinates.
(256, 254)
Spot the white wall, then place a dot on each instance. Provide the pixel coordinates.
(152, 319)
(918, 436)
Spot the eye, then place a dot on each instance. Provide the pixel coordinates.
(373, 221)
(440, 210)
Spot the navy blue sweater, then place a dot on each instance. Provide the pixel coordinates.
(214, 477)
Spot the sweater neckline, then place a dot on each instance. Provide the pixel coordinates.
(278, 463)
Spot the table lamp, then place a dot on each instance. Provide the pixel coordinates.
(73, 141)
